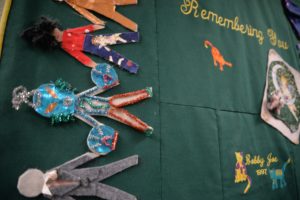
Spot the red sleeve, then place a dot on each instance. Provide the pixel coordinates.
(82, 29)
(81, 57)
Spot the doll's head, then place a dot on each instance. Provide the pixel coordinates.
(41, 33)
(31, 182)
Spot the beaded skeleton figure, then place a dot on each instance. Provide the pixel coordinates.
(59, 102)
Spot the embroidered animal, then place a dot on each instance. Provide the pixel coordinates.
(241, 171)
(217, 56)
(278, 175)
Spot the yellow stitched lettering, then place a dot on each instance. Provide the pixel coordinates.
(260, 37)
(272, 36)
(220, 20)
(275, 41)
(261, 172)
(188, 6)
(203, 13)
(236, 24)
(271, 159)
(248, 161)
(242, 29)
(214, 16)
(229, 23)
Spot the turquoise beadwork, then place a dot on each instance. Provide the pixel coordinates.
(102, 139)
(51, 101)
(104, 75)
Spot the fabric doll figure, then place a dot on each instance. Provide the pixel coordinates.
(65, 182)
(47, 35)
(106, 8)
(59, 102)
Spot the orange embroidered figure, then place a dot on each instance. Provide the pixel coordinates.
(241, 171)
(217, 56)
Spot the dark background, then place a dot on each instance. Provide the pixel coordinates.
(201, 116)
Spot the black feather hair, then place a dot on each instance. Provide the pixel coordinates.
(40, 33)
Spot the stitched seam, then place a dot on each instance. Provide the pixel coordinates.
(220, 152)
(294, 169)
(159, 101)
(210, 108)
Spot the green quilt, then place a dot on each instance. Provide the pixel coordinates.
(201, 115)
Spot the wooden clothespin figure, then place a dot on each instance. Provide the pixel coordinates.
(66, 181)
(107, 8)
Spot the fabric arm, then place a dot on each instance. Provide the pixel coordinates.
(87, 14)
(78, 161)
(81, 57)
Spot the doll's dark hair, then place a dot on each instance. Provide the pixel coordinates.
(40, 33)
